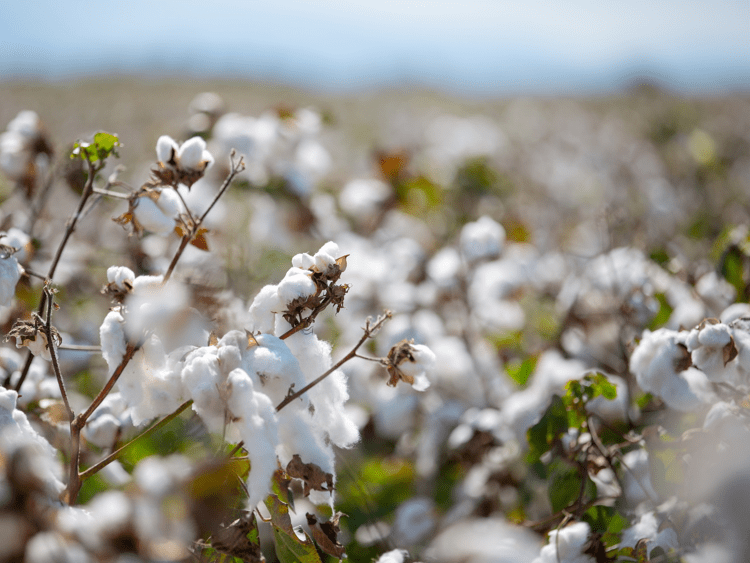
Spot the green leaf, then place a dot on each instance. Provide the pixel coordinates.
(521, 371)
(550, 427)
(290, 548)
(662, 316)
(103, 145)
(564, 486)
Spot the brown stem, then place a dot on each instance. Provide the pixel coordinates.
(369, 332)
(116, 454)
(69, 228)
(53, 353)
(235, 168)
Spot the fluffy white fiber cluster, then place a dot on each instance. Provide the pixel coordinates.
(236, 383)
(190, 155)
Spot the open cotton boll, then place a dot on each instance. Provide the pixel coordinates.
(16, 432)
(192, 155)
(364, 198)
(424, 361)
(303, 261)
(255, 419)
(16, 238)
(153, 305)
(482, 239)
(647, 528)
(112, 339)
(328, 397)
(274, 368)
(119, 275)
(566, 545)
(169, 203)
(10, 273)
(203, 381)
(297, 283)
(393, 556)
(166, 150)
(636, 481)
(657, 363)
(152, 218)
(264, 308)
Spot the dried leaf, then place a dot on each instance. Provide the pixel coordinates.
(313, 477)
(325, 534)
(251, 340)
(729, 352)
(239, 539)
(199, 240)
(213, 340)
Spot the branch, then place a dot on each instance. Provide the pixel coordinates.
(369, 332)
(117, 453)
(235, 168)
(53, 354)
(69, 228)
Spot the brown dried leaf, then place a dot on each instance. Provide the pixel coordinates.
(199, 240)
(251, 340)
(684, 361)
(312, 476)
(233, 540)
(325, 534)
(729, 351)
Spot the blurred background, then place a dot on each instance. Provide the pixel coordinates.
(474, 47)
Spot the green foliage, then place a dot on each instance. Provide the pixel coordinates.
(607, 522)
(290, 547)
(662, 316)
(520, 371)
(564, 485)
(579, 392)
(103, 145)
(549, 429)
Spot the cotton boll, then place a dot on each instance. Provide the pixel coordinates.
(152, 218)
(566, 545)
(258, 427)
(10, 273)
(202, 380)
(16, 238)
(119, 275)
(734, 312)
(424, 361)
(329, 397)
(169, 203)
(102, 430)
(647, 528)
(393, 556)
(17, 433)
(303, 261)
(655, 363)
(166, 150)
(482, 239)
(364, 198)
(715, 291)
(636, 482)
(297, 284)
(415, 519)
(273, 368)
(52, 546)
(264, 308)
(192, 154)
(444, 268)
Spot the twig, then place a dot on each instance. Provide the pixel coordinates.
(116, 454)
(110, 193)
(69, 228)
(53, 354)
(369, 332)
(235, 168)
(80, 347)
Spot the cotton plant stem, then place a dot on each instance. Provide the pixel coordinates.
(69, 228)
(110, 193)
(235, 168)
(369, 332)
(53, 354)
(118, 453)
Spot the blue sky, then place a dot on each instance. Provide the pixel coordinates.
(473, 46)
